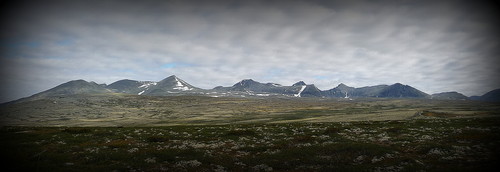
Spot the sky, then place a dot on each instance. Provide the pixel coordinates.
(434, 46)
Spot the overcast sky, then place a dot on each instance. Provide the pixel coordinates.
(434, 46)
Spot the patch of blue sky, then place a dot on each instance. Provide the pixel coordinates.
(272, 73)
(275, 72)
(175, 65)
(320, 77)
(18, 48)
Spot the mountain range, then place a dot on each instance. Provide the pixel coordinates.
(173, 85)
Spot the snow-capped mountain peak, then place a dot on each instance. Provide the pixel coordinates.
(180, 86)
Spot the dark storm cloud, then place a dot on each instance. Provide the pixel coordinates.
(432, 45)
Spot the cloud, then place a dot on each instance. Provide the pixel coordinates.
(433, 46)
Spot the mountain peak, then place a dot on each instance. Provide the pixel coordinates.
(300, 83)
(452, 95)
(245, 82)
(77, 81)
(176, 83)
(400, 90)
(398, 84)
(130, 86)
(72, 87)
(343, 86)
(171, 77)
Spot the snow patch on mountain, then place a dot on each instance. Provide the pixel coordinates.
(180, 86)
(141, 92)
(301, 89)
(147, 84)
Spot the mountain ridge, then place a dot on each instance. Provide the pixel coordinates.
(173, 85)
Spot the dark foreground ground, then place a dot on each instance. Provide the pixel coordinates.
(441, 144)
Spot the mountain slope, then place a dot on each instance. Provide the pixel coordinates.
(492, 96)
(130, 86)
(341, 90)
(169, 85)
(345, 91)
(310, 91)
(369, 91)
(71, 88)
(449, 96)
(394, 91)
(251, 86)
(400, 90)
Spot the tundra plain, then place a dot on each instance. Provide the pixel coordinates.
(120, 132)
(132, 110)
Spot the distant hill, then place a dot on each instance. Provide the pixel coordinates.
(492, 96)
(400, 90)
(394, 91)
(131, 86)
(449, 96)
(254, 86)
(70, 88)
(369, 91)
(341, 90)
